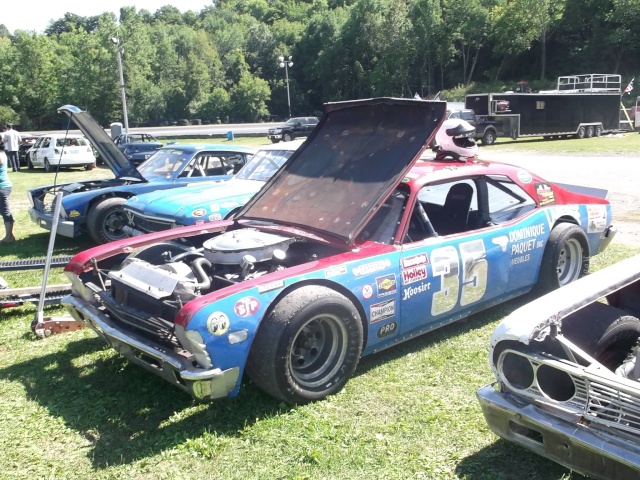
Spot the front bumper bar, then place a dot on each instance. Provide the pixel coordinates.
(176, 369)
(66, 228)
(581, 448)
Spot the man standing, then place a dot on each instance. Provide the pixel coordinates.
(12, 145)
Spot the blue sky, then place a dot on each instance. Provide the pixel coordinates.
(35, 15)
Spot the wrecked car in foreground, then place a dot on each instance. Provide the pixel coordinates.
(353, 246)
(567, 367)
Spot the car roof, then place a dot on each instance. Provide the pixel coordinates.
(195, 147)
(292, 145)
(64, 135)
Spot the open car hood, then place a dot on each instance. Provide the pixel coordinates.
(359, 152)
(110, 153)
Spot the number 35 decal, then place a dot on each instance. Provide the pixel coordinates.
(445, 263)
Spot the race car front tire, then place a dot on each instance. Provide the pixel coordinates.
(307, 347)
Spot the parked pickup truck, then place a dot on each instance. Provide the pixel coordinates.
(567, 367)
(486, 130)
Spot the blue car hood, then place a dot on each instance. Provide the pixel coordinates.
(183, 201)
(120, 165)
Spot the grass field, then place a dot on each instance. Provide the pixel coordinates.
(74, 409)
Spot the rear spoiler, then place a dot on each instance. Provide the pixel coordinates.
(594, 192)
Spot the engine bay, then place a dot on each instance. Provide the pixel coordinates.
(152, 284)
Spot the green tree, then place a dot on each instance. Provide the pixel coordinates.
(35, 77)
(249, 99)
(468, 27)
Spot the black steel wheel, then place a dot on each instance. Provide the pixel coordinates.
(565, 257)
(106, 220)
(581, 132)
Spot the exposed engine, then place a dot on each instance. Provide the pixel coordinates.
(154, 283)
(172, 271)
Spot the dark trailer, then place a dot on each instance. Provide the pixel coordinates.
(581, 106)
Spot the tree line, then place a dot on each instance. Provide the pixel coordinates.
(220, 64)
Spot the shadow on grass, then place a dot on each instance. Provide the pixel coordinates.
(128, 414)
(123, 411)
(457, 328)
(505, 460)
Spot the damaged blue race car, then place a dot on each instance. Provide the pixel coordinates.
(95, 206)
(354, 245)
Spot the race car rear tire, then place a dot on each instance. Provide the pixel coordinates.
(617, 341)
(106, 220)
(565, 257)
(307, 347)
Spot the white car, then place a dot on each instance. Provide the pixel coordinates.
(65, 150)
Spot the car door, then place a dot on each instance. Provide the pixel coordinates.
(451, 263)
(39, 150)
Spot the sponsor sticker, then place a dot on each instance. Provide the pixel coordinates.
(524, 177)
(381, 311)
(545, 194)
(420, 259)
(335, 271)
(415, 274)
(75, 213)
(214, 207)
(373, 267)
(386, 285)
(411, 291)
(367, 291)
(597, 218)
(267, 287)
(246, 306)
(215, 216)
(199, 212)
(386, 330)
(218, 323)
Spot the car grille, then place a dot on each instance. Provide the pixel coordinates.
(147, 224)
(614, 407)
(140, 313)
(596, 396)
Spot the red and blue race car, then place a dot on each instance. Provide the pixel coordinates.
(356, 244)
